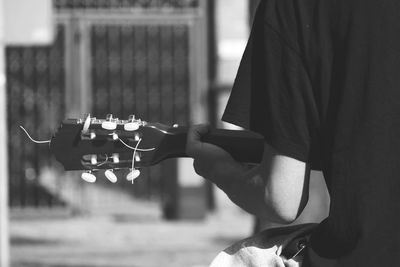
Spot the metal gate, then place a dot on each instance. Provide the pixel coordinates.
(35, 98)
(121, 57)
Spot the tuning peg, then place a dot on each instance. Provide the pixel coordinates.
(110, 175)
(131, 126)
(137, 137)
(133, 175)
(92, 135)
(115, 158)
(88, 177)
(114, 136)
(93, 159)
(109, 123)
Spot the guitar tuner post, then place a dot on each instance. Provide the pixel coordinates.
(93, 159)
(109, 117)
(88, 135)
(114, 136)
(131, 118)
(137, 137)
(115, 157)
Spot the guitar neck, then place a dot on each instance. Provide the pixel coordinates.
(244, 146)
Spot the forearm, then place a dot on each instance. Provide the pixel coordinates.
(277, 189)
(246, 188)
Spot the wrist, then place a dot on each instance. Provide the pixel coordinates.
(227, 174)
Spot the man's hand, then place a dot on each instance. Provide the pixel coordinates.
(210, 161)
(243, 187)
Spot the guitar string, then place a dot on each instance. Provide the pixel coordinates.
(104, 162)
(33, 140)
(49, 141)
(134, 155)
(135, 148)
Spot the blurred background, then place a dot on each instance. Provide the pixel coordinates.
(168, 61)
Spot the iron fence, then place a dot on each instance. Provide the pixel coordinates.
(35, 98)
(125, 57)
(126, 4)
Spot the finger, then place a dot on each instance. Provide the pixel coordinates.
(193, 142)
(294, 262)
(202, 169)
(197, 131)
(197, 168)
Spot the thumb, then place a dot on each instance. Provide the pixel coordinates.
(195, 133)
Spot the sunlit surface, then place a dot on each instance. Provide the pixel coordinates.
(124, 238)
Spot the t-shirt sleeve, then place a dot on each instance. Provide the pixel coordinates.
(273, 95)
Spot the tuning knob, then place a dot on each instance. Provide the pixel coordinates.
(110, 175)
(88, 177)
(132, 124)
(133, 175)
(86, 124)
(109, 123)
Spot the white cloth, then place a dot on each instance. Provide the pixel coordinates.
(264, 249)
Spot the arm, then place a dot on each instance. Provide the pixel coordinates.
(277, 189)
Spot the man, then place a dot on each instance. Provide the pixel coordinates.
(320, 80)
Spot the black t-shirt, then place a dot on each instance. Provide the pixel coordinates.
(320, 79)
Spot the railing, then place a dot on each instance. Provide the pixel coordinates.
(127, 4)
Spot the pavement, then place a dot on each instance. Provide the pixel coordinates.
(130, 232)
(113, 229)
(135, 237)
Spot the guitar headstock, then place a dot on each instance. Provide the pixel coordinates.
(111, 144)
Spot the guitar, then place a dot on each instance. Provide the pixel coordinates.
(112, 144)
